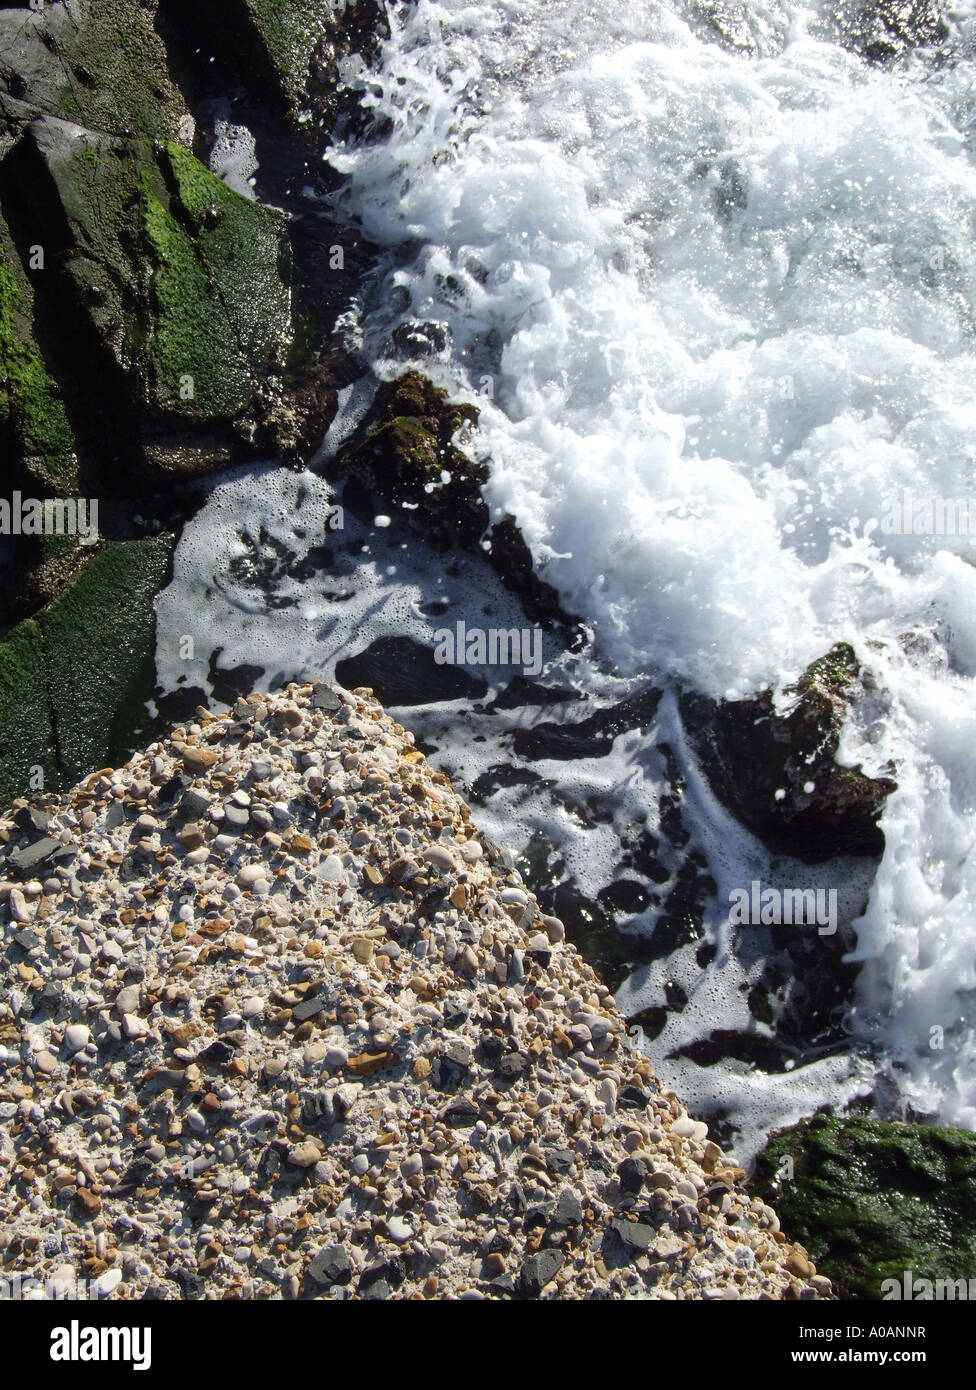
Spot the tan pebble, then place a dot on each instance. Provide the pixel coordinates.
(800, 1266)
(362, 949)
(304, 1155)
(197, 760)
(192, 836)
(368, 1062)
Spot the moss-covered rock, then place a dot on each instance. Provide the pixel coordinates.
(181, 283)
(27, 741)
(871, 1199)
(219, 280)
(99, 63)
(760, 763)
(289, 32)
(32, 411)
(405, 452)
(409, 451)
(75, 679)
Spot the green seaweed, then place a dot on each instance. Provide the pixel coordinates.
(27, 739)
(870, 1199)
(221, 305)
(74, 680)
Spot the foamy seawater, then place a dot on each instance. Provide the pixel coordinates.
(716, 309)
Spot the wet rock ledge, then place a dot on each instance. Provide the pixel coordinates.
(277, 1021)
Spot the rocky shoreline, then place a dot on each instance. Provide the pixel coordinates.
(277, 1022)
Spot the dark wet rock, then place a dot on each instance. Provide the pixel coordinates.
(870, 1199)
(881, 30)
(522, 693)
(400, 452)
(409, 452)
(402, 672)
(750, 752)
(512, 561)
(589, 738)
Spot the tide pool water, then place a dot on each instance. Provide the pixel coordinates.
(715, 302)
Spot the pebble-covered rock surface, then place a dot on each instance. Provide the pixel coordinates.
(277, 1022)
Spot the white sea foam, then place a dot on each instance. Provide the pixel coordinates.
(724, 304)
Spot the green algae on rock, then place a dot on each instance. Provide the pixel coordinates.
(32, 410)
(870, 1199)
(405, 453)
(220, 282)
(409, 452)
(27, 742)
(74, 680)
(179, 281)
(102, 65)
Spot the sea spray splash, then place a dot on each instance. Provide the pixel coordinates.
(725, 301)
